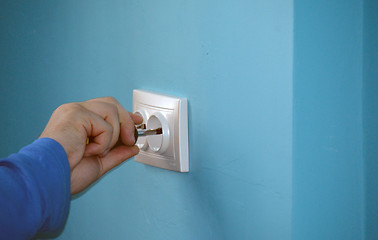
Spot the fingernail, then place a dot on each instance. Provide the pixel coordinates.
(138, 114)
(135, 135)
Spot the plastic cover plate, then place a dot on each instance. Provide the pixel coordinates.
(175, 111)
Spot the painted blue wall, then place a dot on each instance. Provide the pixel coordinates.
(290, 84)
(231, 59)
(371, 116)
(328, 197)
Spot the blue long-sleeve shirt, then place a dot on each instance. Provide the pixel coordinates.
(34, 190)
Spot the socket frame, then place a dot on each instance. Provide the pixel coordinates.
(175, 111)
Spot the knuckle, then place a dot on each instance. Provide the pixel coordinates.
(113, 109)
(68, 108)
(111, 99)
(70, 113)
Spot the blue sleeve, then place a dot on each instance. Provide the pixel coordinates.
(34, 190)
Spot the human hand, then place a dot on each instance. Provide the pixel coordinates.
(110, 129)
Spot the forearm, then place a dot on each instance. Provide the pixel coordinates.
(34, 190)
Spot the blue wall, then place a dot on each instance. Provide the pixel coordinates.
(291, 86)
(328, 197)
(371, 115)
(232, 60)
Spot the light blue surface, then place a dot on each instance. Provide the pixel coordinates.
(328, 197)
(371, 116)
(299, 78)
(232, 60)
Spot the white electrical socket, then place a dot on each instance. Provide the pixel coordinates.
(168, 150)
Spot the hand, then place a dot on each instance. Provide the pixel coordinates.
(110, 129)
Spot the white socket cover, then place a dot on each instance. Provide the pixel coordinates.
(169, 150)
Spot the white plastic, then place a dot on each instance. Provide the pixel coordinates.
(158, 143)
(169, 150)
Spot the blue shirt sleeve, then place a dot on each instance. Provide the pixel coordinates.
(34, 190)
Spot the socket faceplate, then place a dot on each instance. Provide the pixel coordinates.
(173, 111)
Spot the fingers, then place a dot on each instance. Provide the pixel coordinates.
(121, 125)
(109, 113)
(101, 133)
(127, 128)
(137, 118)
(127, 121)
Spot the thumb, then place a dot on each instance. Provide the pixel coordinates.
(117, 156)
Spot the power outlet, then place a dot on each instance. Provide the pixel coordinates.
(170, 149)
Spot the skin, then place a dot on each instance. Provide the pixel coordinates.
(110, 129)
